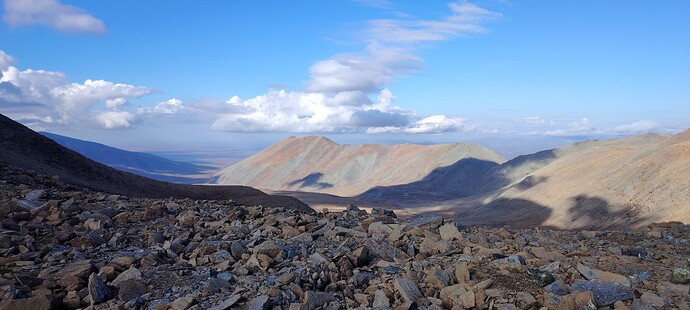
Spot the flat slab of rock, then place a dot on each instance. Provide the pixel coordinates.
(604, 294)
(80, 269)
(315, 300)
(226, 303)
(408, 289)
(602, 276)
(381, 301)
(184, 302)
(258, 303)
(129, 274)
(542, 253)
(428, 222)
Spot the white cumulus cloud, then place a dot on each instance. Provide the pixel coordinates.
(637, 127)
(5, 61)
(366, 72)
(171, 106)
(284, 112)
(61, 17)
(346, 92)
(115, 103)
(337, 98)
(303, 112)
(429, 125)
(115, 119)
(72, 98)
(40, 96)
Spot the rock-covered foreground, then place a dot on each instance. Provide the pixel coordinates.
(63, 247)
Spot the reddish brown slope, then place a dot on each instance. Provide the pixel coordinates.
(317, 164)
(623, 183)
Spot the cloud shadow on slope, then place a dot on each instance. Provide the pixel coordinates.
(464, 178)
(454, 181)
(596, 213)
(311, 180)
(586, 212)
(518, 213)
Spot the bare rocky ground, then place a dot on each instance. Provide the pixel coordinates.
(64, 247)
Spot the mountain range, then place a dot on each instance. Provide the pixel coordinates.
(317, 164)
(627, 182)
(619, 183)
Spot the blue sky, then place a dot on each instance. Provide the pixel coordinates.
(175, 74)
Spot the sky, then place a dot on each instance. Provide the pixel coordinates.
(166, 75)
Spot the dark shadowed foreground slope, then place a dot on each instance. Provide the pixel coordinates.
(143, 164)
(24, 148)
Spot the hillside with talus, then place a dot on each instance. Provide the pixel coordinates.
(23, 148)
(317, 164)
(623, 183)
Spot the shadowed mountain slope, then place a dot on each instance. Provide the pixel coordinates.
(464, 178)
(21, 147)
(631, 181)
(144, 164)
(317, 164)
(621, 183)
(470, 177)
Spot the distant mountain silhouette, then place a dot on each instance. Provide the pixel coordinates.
(23, 148)
(317, 164)
(144, 164)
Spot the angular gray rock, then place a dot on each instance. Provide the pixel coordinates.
(315, 300)
(604, 294)
(98, 291)
(407, 289)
